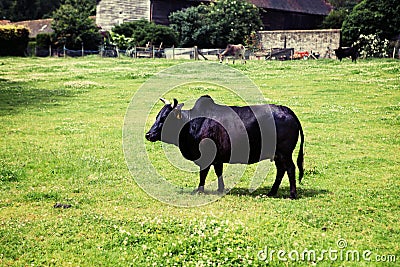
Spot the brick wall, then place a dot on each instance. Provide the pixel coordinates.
(301, 40)
(110, 13)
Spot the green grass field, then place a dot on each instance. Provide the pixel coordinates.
(61, 126)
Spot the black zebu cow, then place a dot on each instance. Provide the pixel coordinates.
(233, 51)
(343, 52)
(236, 135)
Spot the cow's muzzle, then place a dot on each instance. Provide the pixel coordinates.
(151, 137)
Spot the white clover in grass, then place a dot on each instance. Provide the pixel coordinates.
(80, 84)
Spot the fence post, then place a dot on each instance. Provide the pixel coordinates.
(83, 50)
(196, 53)
(65, 51)
(173, 52)
(49, 50)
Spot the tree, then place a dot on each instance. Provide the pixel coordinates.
(235, 21)
(73, 26)
(377, 17)
(17, 10)
(341, 9)
(335, 19)
(194, 26)
(217, 24)
(5, 9)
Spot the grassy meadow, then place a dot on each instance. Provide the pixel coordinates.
(61, 124)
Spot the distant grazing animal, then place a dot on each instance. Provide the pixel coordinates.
(213, 134)
(233, 51)
(343, 52)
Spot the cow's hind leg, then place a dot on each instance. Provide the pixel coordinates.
(280, 172)
(284, 164)
(291, 171)
(218, 168)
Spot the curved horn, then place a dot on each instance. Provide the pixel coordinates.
(175, 103)
(166, 102)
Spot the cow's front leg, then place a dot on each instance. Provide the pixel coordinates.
(203, 176)
(218, 168)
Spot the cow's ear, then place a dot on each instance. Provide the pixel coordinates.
(178, 111)
(175, 103)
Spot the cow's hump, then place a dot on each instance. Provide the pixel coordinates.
(204, 102)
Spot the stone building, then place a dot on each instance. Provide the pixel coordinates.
(275, 14)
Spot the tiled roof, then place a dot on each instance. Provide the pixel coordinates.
(4, 22)
(36, 26)
(315, 7)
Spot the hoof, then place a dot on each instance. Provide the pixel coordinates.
(199, 190)
(221, 191)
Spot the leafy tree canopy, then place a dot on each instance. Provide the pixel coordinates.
(73, 26)
(377, 17)
(341, 9)
(217, 24)
(17, 10)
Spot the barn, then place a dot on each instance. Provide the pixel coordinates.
(276, 14)
(292, 14)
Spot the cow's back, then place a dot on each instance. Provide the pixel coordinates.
(242, 134)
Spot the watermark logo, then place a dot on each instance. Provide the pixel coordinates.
(341, 243)
(341, 252)
(150, 163)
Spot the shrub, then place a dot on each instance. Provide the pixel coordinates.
(141, 32)
(371, 46)
(43, 40)
(13, 40)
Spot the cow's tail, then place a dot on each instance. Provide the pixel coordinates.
(300, 156)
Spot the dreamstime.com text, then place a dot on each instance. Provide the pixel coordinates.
(339, 253)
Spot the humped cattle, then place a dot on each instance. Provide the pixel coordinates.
(212, 134)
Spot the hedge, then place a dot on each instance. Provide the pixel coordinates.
(13, 40)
